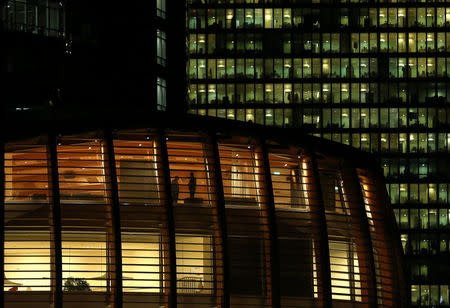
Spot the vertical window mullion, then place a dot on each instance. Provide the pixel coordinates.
(221, 213)
(273, 234)
(172, 296)
(56, 252)
(2, 222)
(116, 225)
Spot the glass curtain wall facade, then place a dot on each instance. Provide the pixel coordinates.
(151, 218)
(371, 74)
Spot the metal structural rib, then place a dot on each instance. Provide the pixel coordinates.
(178, 217)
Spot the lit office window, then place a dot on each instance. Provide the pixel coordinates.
(161, 8)
(87, 239)
(145, 243)
(161, 94)
(193, 188)
(195, 264)
(289, 182)
(333, 193)
(344, 266)
(292, 186)
(27, 233)
(141, 262)
(189, 172)
(161, 51)
(241, 183)
(139, 186)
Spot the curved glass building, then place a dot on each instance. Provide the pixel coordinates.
(195, 216)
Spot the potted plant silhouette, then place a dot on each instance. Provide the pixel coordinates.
(76, 284)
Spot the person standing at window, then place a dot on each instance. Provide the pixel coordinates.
(192, 185)
(175, 186)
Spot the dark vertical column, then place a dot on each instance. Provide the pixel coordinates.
(221, 213)
(170, 221)
(176, 56)
(152, 25)
(115, 217)
(2, 222)
(55, 204)
(358, 212)
(67, 7)
(273, 232)
(320, 220)
(402, 295)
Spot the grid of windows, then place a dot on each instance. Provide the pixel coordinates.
(430, 295)
(373, 75)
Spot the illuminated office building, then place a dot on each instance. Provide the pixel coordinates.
(371, 74)
(100, 219)
(184, 213)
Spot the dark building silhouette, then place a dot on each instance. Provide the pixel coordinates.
(91, 58)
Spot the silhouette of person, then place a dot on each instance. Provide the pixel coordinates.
(347, 71)
(175, 185)
(294, 189)
(291, 189)
(192, 185)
